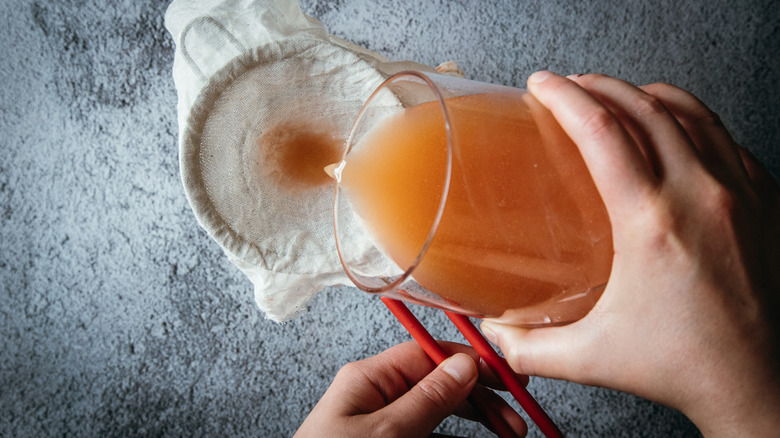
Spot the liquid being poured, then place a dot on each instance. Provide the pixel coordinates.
(294, 154)
(523, 223)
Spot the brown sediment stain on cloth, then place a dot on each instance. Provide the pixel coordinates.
(295, 152)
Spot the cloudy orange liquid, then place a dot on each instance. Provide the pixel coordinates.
(523, 223)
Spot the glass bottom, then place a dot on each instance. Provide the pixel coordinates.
(550, 313)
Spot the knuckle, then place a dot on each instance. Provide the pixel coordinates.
(668, 223)
(518, 360)
(707, 117)
(598, 123)
(647, 105)
(350, 368)
(435, 392)
(660, 227)
(719, 200)
(697, 113)
(694, 109)
(662, 220)
(350, 372)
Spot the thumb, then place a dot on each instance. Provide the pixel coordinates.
(554, 352)
(434, 398)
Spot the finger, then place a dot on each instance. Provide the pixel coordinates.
(490, 400)
(486, 375)
(761, 178)
(486, 399)
(434, 398)
(620, 171)
(664, 143)
(756, 171)
(553, 352)
(717, 149)
(411, 362)
(373, 382)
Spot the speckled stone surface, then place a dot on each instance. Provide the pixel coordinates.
(120, 317)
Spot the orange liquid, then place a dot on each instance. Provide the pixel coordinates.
(294, 153)
(523, 223)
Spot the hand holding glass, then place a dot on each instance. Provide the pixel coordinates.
(469, 197)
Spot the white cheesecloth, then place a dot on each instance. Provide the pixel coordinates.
(242, 69)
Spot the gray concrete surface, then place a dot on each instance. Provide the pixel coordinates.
(120, 317)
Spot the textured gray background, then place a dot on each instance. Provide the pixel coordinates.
(120, 317)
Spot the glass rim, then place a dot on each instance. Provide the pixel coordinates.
(390, 285)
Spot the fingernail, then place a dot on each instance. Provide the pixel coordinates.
(539, 76)
(573, 77)
(489, 333)
(460, 367)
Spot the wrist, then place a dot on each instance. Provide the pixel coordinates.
(738, 411)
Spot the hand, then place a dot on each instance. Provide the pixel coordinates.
(398, 393)
(690, 316)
